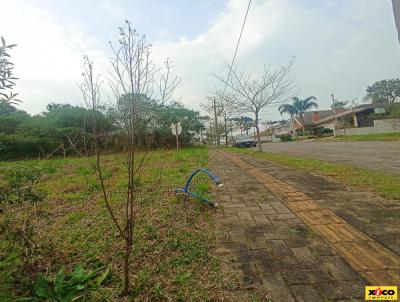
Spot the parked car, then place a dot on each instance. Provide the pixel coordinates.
(243, 140)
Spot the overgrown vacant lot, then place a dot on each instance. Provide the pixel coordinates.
(173, 241)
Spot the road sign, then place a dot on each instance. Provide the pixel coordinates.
(176, 128)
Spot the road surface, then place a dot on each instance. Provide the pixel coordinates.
(380, 156)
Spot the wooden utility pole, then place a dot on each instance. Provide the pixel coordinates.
(342, 118)
(334, 113)
(216, 122)
(396, 13)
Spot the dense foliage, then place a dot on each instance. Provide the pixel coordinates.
(7, 79)
(65, 129)
(384, 92)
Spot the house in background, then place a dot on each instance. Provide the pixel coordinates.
(273, 132)
(356, 117)
(356, 120)
(310, 119)
(280, 128)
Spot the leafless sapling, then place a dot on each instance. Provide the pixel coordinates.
(253, 95)
(167, 84)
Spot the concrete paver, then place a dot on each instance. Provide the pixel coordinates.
(373, 260)
(273, 248)
(377, 217)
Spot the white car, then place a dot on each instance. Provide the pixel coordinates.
(243, 140)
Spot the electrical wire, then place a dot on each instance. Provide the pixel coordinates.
(237, 47)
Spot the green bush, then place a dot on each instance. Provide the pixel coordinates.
(321, 131)
(65, 288)
(286, 137)
(392, 111)
(20, 146)
(22, 183)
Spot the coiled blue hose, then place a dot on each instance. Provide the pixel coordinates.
(215, 179)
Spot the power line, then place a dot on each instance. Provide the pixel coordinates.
(237, 46)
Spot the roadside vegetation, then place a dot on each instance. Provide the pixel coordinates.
(393, 136)
(383, 184)
(66, 227)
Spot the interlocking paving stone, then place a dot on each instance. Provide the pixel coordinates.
(342, 290)
(363, 253)
(306, 293)
(282, 254)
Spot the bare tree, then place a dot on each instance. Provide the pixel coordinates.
(132, 83)
(226, 108)
(253, 95)
(90, 89)
(214, 113)
(166, 84)
(133, 80)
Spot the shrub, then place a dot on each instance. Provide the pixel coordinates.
(286, 137)
(321, 131)
(20, 146)
(23, 183)
(392, 111)
(65, 288)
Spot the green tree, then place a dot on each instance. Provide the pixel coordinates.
(304, 105)
(6, 109)
(383, 92)
(6, 74)
(14, 122)
(291, 110)
(340, 105)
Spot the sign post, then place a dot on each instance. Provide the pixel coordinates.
(176, 130)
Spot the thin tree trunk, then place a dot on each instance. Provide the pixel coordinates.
(128, 250)
(258, 134)
(226, 132)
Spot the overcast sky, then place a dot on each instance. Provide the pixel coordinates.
(340, 46)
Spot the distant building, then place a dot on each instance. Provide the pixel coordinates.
(277, 129)
(310, 119)
(356, 117)
(356, 120)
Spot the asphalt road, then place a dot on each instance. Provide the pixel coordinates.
(381, 156)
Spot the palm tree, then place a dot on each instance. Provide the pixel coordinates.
(302, 106)
(291, 110)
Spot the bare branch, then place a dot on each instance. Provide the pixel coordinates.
(253, 95)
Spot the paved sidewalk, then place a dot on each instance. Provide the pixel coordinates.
(374, 261)
(273, 248)
(379, 218)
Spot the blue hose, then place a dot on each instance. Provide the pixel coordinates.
(215, 179)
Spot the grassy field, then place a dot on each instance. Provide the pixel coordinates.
(383, 184)
(394, 136)
(173, 256)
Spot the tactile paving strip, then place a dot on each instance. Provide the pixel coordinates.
(377, 264)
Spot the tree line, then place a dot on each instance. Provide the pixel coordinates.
(65, 129)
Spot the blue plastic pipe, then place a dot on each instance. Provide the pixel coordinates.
(215, 179)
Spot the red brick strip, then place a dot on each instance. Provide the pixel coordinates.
(377, 264)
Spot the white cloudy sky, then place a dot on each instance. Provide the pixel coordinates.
(340, 46)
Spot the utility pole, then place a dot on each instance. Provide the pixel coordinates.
(216, 122)
(396, 13)
(334, 113)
